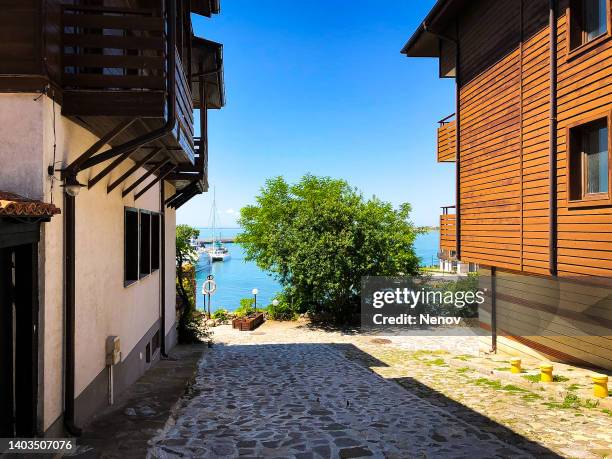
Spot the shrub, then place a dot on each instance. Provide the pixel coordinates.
(222, 315)
(282, 311)
(246, 307)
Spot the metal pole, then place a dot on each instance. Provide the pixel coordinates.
(209, 316)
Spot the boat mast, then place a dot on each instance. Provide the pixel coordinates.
(214, 214)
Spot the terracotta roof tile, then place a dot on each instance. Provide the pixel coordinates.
(13, 205)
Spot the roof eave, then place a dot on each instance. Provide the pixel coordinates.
(424, 42)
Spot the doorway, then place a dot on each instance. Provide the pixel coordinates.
(18, 329)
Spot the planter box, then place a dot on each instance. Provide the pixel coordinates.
(248, 323)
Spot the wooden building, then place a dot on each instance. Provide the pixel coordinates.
(531, 143)
(97, 102)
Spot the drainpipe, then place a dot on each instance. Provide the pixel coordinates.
(455, 41)
(552, 157)
(162, 222)
(69, 315)
(457, 145)
(69, 222)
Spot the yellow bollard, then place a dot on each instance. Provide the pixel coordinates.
(515, 365)
(600, 386)
(546, 373)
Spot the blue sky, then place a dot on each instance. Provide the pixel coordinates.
(321, 87)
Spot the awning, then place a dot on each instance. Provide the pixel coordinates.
(207, 59)
(14, 205)
(205, 7)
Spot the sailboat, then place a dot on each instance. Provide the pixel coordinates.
(217, 251)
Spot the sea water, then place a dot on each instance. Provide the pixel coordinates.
(236, 278)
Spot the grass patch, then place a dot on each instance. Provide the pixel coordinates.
(607, 411)
(572, 401)
(463, 357)
(438, 362)
(497, 385)
(536, 378)
(488, 382)
(513, 388)
(463, 370)
(532, 378)
(574, 386)
(531, 397)
(508, 369)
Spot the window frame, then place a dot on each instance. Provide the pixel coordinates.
(156, 216)
(586, 200)
(130, 281)
(584, 47)
(153, 215)
(141, 257)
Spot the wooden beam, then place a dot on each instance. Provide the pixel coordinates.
(144, 177)
(153, 182)
(108, 169)
(131, 170)
(79, 163)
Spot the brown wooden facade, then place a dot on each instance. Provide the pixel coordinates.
(522, 90)
(124, 70)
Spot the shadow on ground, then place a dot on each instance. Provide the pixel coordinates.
(310, 400)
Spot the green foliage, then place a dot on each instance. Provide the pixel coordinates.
(284, 310)
(192, 323)
(319, 237)
(185, 253)
(246, 307)
(221, 314)
(536, 378)
(572, 401)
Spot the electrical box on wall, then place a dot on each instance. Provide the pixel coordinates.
(113, 350)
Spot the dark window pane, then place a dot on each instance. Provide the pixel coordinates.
(595, 147)
(145, 243)
(131, 245)
(594, 18)
(155, 241)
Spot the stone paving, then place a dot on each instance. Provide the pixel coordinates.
(308, 400)
(290, 390)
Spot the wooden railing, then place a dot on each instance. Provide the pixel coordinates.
(109, 48)
(448, 234)
(447, 140)
(201, 158)
(121, 51)
(184, 110)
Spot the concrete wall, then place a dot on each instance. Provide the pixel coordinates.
(104, 306)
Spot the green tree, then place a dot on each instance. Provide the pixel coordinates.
(192, 323)
(185, 254)
(320, 236)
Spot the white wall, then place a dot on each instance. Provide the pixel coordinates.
(103, 305)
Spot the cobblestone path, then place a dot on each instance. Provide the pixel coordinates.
(308, 400)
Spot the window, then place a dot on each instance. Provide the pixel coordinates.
(131, 245)
(589, 162)
(155, 342)
(155, 241)
(142, 244)
(145, 243)
(588, 21)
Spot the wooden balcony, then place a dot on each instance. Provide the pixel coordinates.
(447, 140)
(448, 231)
(197, 172)
(114, 65)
